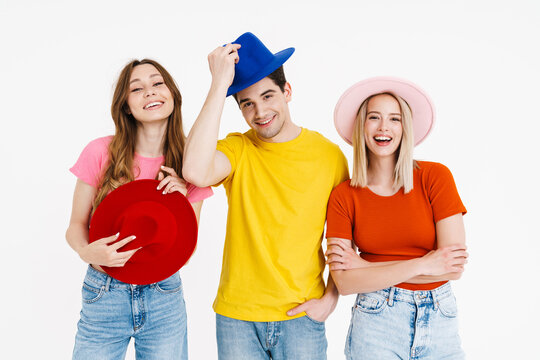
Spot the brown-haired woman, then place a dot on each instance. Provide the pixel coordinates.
(148, 144)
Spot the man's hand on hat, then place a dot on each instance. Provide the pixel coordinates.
(221, 62)
(100, 252)
(171, 182)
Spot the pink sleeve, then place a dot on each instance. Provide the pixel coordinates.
(196, 194)
(92, 161)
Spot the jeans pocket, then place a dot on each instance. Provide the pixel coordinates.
(170, 285)
(448, 306)
(91, 294)
(317, 322)
(371, 303)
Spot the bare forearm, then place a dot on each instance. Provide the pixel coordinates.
(77, 236)
(331, 289)
(201, 143)
(426, 279)
(421, 279)
(372, 278)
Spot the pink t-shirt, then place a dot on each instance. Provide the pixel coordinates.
(94, 158)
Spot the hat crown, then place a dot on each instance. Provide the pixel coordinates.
(420, 103)
(253, 55)
(255, 62)
(141, 219)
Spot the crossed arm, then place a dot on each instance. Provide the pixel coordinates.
(352, 274)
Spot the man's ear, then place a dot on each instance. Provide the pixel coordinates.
(287, 91)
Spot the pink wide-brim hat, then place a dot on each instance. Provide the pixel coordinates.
(423, 111)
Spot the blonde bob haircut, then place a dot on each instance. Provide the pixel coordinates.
(403, 172)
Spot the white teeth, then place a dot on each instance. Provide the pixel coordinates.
(153, 104)
(383, 138)
(265, 122)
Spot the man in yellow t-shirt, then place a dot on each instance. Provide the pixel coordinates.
(272, 301)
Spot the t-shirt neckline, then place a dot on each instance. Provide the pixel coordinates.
(267, 144)
(161, 157)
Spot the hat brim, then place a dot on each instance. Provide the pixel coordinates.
(279, 59)
(423, 111)
(144, 267)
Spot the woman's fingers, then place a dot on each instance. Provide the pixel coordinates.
(164, 182)
(166, 179)
(338, 242)
(334, 249)
(169, 170)
(122, 242)
(124, 257)
(169, 187)
(461, 253)
(169, 180)
(334, 258)
(109, 239)
(337, 266)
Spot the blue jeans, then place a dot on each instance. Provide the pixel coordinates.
(113, 312)
(299, 339)
(395, 323)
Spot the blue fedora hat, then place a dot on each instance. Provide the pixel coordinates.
(256, 62)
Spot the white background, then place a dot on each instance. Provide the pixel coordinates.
(479, 61)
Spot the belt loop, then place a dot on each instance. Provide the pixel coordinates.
(108, 283)
(435, 300)
(391, 296)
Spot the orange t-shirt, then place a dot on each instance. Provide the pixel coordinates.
(397, 227)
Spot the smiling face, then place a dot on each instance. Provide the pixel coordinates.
(383, 128)
(149, 98)
(265, 109)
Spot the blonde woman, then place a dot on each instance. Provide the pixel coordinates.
(148, 144)
(406, 219)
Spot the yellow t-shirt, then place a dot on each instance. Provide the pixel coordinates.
(277, 195)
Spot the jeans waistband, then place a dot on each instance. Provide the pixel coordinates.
(99, 279)
(393, 294)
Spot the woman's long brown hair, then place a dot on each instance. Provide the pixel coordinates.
(122, 146)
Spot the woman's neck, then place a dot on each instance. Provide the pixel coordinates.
(150, 138)
(380, 173)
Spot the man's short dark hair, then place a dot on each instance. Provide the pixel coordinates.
(278, 77)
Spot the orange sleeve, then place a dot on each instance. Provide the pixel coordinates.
(443, 193)
(340, 213)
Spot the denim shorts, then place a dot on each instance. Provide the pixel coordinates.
(297, 339)
(395, 323)
(113, 312)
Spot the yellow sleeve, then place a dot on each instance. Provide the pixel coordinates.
(342, 169)
(232, 146)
